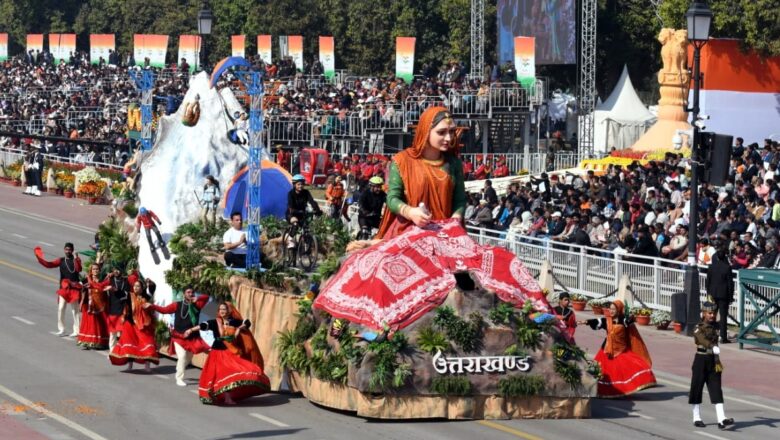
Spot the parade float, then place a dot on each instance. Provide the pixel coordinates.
(445, 328)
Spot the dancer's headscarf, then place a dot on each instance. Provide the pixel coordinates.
(634, 339)
(245, 342)
(438, 199)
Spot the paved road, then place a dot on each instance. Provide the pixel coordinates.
(51, 389)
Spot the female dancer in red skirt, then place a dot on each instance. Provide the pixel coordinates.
(228, 376)
(93, 331)
(626, 366)
(136, 342)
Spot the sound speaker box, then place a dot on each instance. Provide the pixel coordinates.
(717, 153)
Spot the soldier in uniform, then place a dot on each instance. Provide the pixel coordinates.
(707, 368)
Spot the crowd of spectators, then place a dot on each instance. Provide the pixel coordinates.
(76, 100)
(643, 211)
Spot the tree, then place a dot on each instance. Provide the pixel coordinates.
(756, 22)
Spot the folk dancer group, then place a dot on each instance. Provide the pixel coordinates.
(116, 312)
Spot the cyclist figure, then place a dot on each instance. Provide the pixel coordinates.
(371, 203)
(298, 199)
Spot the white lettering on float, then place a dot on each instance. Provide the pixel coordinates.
(479, 364)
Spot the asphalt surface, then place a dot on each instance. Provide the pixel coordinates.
(49, 388)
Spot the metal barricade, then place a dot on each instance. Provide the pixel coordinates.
(468, 104)
(595, 272)
(288, 130)
(507, 97)
(415, 105)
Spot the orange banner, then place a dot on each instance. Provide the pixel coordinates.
(525, 60)
(238, 45)
(189, 50)
(328, 56)
(62, 46)
(295, 49)
(264, 47)
(404, 58)
(3, 47)
(99, 47)
(35, 42)
(154, 47)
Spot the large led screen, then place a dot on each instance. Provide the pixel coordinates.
(552, 22)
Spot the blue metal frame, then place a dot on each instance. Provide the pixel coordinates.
(253, 81)
(144, 81)
(766, 303)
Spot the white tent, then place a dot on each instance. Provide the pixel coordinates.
(622, 118)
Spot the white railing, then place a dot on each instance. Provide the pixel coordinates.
(596, 272)
(469, 104)
(508, 97)
(288, 130)
(414, 106)
(11, 155)
(534, 163)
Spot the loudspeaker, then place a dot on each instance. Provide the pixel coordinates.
(717, 153)
(679, 307)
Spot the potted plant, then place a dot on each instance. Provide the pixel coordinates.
(597, 306)
(14, 172)
(578, 302)
(678, 327)
(660, 319)
(643, 316)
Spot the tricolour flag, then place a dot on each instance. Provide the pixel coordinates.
(238, 45)
(264, 48)
(525, 61)
(295, 48)
(189, 50)
(740, 91)
(328, 56)
(154, 47)
(404, 58)
(99, 46)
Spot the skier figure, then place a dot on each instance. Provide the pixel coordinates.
(147, 218)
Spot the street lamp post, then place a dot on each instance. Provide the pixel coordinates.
(699, 18)
(205, 21)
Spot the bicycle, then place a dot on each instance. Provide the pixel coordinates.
(300, 246)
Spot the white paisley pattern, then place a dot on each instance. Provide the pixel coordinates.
(399, 280)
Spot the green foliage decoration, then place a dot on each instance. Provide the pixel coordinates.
(162, 333)
(431, 340)
(466, 334)
(521, 385)
(452, 386)
(502, 314)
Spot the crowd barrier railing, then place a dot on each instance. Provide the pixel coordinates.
(415, 105)
(10, 155)
(508, 97)
(289, 131)
(596, 273)
(469, 104)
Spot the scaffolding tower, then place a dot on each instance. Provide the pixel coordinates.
(253, 81)
(587, 75)
(144, 82)
(477, 38)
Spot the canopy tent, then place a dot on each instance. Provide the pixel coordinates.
(276, 183)
(622, 118)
